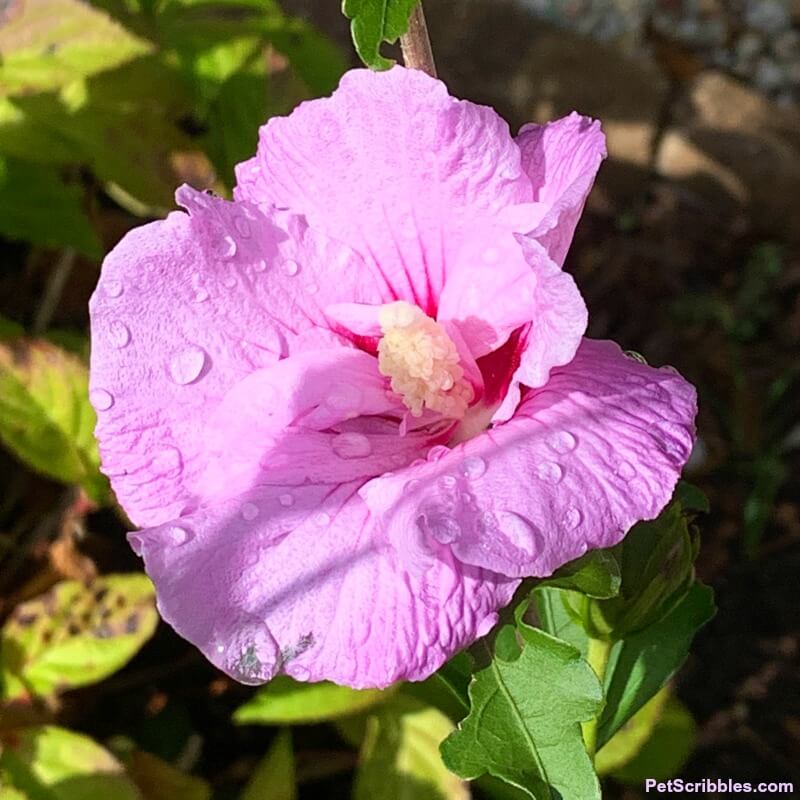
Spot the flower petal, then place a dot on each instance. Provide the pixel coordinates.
(561, 159)
(185, 309)
(299, 580)
(597, 449)
(395, 167)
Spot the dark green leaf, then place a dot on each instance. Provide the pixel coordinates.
(274, 776)
(691, 498)
(374, 22)
(159, 780)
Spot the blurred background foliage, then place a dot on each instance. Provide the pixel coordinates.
(688, 252)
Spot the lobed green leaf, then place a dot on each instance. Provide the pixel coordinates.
(373, 22)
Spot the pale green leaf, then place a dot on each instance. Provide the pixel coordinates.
(274, 776)
(400, 757)
(45, 416)
(53, 763)
(284, 701)
(75, 634)
(53, 42)
(524, 723)
(373, 22)
(39, 207)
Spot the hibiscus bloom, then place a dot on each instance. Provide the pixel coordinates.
(353, 407)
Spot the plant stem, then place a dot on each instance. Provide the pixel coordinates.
(416, 45)
(599, 651)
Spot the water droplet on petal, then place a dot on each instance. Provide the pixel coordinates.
(286, 500)
(227, 247)
(572, 518)
(249, 511)
(300, 673)
(291, 268)
(437, 451)
(260, 266)
(473, 467)
(448, 481)
(562, 441)
(167, 462)
(229, 281)
(200, 294)
(521, 531)
(351, 445)
(242, 226)
(101, 399)
(177, 535)
(252, 653)
(322, 519)
(113, 288)
(549, 472)
(186, 367)
(412, 485)
(487, 520)
(626, 470)
(118, 334)
(312, 288)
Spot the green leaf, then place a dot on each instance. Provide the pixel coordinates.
(284, 701)
(53, 42)
(524, 723)
(664, 754)
(595, 574)
(643, 662)
(374, 22)
(448, 688)
(159, 780)
(60, 222)
(75, 634)
(50, 763)
(45, 416)
(629, 739)
(274, 776)
(691, 497)
(555, 609)
(400, 755)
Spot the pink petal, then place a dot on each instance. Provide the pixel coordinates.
(395, 167)
(184, 310)
(597, 449)
(561, 159)
(300, 580)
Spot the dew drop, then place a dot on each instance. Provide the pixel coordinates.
(260, 266)
(220, 648)
(101, 399)
(187, 366)
(118, 334)
(312, 288)
(351, 445)
(322, 519)
(178, 535)
(286, 500)
(487, 521)
(229, 281)
(437, 451)
(473, 467)
(200, 294)
(521, 531)
(300, 673)
(448, 481)
(290, 268)
(412, 485)
(562, 442)
(227, 247)
(249, 511)
(167, 462)
(113, 288)
(242, 226)
(626, 471)
(549, 472)
(572, 518)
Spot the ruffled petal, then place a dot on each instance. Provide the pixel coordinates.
(300, 580)
(395, 167)
(561, 159)
(597, 449)
(184, 310)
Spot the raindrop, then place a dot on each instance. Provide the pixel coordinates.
(312, 288)
(572, 518)
(249, 511)
(448, 481)
(242, 226)
(227, 248)
(549, 472)
(101, 399)
(229, 281)
(187, 366)
(291, 268)
(521, 531)
(351, 445)
(200, 294)
(634, 356)
(118, 333)
(300, 673)
(322, 519)
(437, 451)
(178, 535)
(473, 467)
(167, 462)
(562, 442)
(487, 520)
(113, 288)
(626, 471)
(286, 500)
(260, 266)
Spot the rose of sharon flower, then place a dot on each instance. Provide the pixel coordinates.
(352, 408)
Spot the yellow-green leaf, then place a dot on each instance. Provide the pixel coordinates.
(274, 776)
(75, 634)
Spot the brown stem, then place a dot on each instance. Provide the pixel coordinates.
(416, 45)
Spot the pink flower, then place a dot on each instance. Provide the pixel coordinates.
(353, 407)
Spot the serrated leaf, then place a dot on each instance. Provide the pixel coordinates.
(274, 776)
(50, 762)
(75, 634)
(45, 416)
(60, 222)
(595, 574)
(524, 722)
(53, 42)
(555, 616)
(400, 755)
(373, 22)
(643, 662)
(284, 701)
(157, 779)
